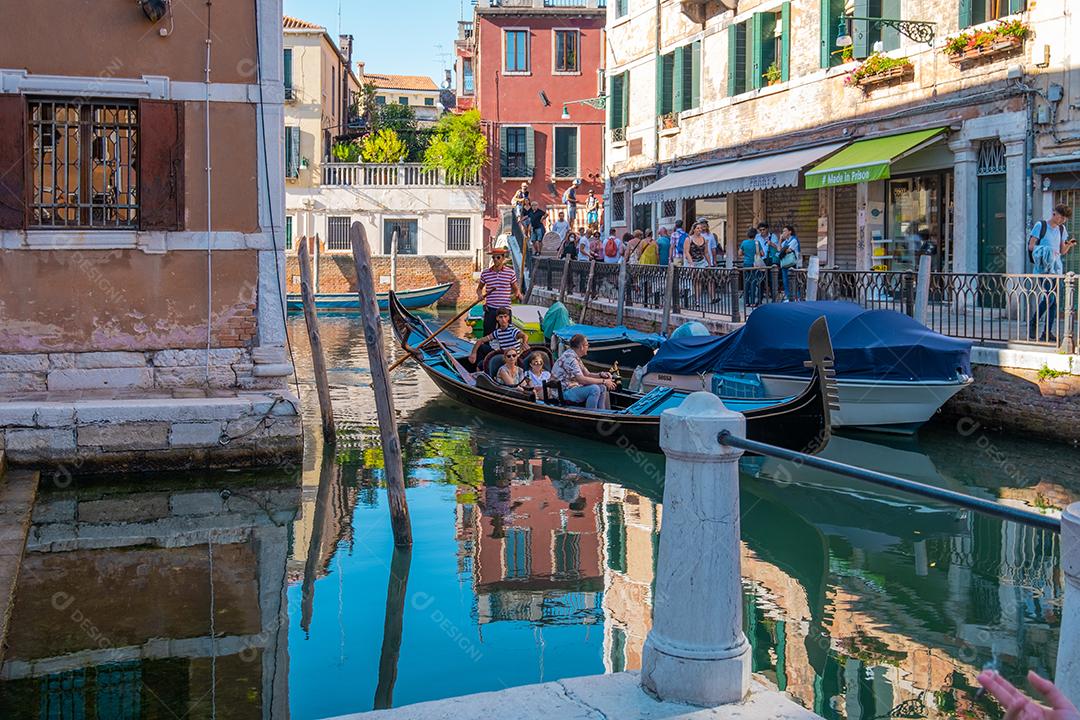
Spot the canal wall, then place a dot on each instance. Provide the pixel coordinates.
(1028, 392)
(335, 272)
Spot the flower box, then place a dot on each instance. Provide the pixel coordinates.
(898, 74)
(1005, 45)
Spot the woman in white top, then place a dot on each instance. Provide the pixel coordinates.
(511, 374)
(536, 375)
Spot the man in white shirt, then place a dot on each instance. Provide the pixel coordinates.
(561, 226)
(583, 253)
(769, 247)
(715, 251)
(1047, 242)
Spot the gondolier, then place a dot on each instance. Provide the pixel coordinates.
(498, 286)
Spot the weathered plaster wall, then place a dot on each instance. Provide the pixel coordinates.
(337, 274)
(112, 38)
(124, 300)
(234, 162)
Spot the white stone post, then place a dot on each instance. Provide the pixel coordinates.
(813, 273)
(965, 255)
(696, 652)
(922, 289)
(1068, 657)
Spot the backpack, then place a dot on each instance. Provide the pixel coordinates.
(1042, 234)
(611, 248)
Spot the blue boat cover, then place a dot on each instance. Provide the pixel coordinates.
(598, 334)
(868, 344)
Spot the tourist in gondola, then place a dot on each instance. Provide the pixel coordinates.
(536, 375)
(498, 286)
(580, 385)
(511, 374)
(504, 337)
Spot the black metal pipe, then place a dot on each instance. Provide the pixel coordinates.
(989, 507)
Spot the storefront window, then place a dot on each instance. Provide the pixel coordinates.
(914, 223)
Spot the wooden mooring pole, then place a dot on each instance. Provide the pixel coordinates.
(318, 362)
(380, 384)
(588, 292)
(393, 261)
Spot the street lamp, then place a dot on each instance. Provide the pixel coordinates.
(916, 30)
(599, 102)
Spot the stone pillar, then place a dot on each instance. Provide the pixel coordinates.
(1015, 189)
(864, 249)
(965, 256)
(1068, 657)
(696, 652)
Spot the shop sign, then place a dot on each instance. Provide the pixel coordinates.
(847, 176)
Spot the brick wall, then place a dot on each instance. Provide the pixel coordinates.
(337, 274)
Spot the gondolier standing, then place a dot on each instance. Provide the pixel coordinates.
(498, 286)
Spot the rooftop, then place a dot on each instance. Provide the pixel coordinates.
(401, 82)
(291, 23)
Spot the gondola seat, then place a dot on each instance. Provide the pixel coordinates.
(485, 382)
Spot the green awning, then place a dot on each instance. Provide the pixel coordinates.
(867, 160)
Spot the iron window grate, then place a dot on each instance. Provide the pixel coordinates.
(337, 233)
(457, 234)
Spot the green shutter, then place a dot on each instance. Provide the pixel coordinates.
(733, 60)
(890, 37)
(965, 13)
(287, 67)
(530, 151)
(504, 156)
(625, 117)
(785, 41)
(827, 20)
(571, 151)
(695, 74)
(615, 101)
(665, 76)
(860, 31)
(1016, 6)
(757, 66)
(675, 89)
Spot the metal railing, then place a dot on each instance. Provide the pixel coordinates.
(399, 175)
(646, 286)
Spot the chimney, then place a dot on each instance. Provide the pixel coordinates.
(360, 71)
(345, 43)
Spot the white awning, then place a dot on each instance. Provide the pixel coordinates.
(758, 173)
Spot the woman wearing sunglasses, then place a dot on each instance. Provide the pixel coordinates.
(511, 374)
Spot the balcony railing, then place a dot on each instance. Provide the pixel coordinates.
(390, 176)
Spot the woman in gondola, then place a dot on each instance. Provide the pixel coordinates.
(511, 374)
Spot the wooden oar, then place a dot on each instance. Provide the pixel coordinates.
(431, 337)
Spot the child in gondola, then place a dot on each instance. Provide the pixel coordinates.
(536, 376)
(504, 337)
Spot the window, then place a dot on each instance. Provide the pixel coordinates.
(868, 39)
(517, 151)
(458, 234)
(402, 100)
(758, 50)
(566, 152)
(380, 99)
(288, 232)
(337, 233)
(620, 8)
(517, 51)
(567, 550)
(616, 537)
(619, 105)
(84, 166)
(429, 102)
(468, 83)
(287, 72)
(566, 51)
(517, 553)
(618, 207)
(679, 80)
(973, 12)
(669, 208)
(406, 230)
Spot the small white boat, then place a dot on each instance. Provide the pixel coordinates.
(892, 373)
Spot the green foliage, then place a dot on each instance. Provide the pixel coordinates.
(773, 74)
(345, 152)
(983, 39)
(875, 65)
(1046, 373)
(383, 146)
(402, 120)
(458, 146)
(366, 107)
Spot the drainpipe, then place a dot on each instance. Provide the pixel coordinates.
(656, 120)
(1029, 153)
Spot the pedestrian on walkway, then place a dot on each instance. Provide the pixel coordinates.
(748, 251)
(663, 246)
(561, 226)
(592, 210)
(570, 198)
(678, 241)
(569, 246)
(1048, 241)
(648, 255)
(632, 246)
(790, 257)
(536, 226)
(497, 287)
(584, 251)
(612, 248)
(769, 247)
(715, 248)
(520, 201)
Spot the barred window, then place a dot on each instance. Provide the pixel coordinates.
(407, 236)
(83, 164)
(337, 233)
(618, 207)
(288, 232)
(457, 234)
(669, 209)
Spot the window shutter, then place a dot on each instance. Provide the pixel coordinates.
(624, 118)
(530, 151)
(615, 101)
(161, 165)
(890, 37)
(1015, 6)
(785, 41)
(860, 30)
(827, 21)
(733, 60)
(571, 151)
(661, 105)
(695, 74)
(13, 159)
(287, 68)
(674, 89)
(757, 66)
(965, 13)
(292, 149)
(504, 155)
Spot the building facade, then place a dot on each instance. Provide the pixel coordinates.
(140, 236)
(530, 62)
(768, 110)
(437, 219)
(416, 91)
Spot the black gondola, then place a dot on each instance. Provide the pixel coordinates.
(798, 423)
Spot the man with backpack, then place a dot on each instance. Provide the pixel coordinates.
(612, 248)
(1048, 241)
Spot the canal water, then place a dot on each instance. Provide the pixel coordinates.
(279, 594)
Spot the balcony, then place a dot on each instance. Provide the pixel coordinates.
(465, 30)
(539, 4)
(403, 175)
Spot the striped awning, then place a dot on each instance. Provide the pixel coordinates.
(757, 173)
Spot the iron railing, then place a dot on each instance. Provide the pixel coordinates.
(386, 175)
(646, 286)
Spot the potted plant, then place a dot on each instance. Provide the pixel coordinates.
(880, 69)
(974, 45)
(773, 75)
(669, 121)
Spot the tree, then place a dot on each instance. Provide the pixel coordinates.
(383, 146)
(458, 146)
(366, 107)
(345, 152)
(402, 120)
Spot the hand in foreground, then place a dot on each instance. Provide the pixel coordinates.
(1019, 706)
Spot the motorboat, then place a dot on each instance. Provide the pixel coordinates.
(412, 299)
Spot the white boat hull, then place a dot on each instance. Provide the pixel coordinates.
(884, 405)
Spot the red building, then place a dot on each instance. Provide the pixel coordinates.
(522, 63)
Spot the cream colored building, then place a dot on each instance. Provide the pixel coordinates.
(724, 109)
(417, 91)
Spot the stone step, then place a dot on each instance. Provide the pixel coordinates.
(18, 490)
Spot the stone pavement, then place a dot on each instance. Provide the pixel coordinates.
(18, 488)
(595, 697)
